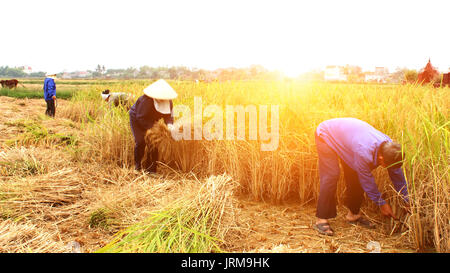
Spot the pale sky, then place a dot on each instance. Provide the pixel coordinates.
(291, 36)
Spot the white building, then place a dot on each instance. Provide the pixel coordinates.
(26, 69)
(76, 74)
(381, 75)
(65, 75)
(334, 73)
(82, 74)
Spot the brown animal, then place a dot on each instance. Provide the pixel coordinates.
(9, 83)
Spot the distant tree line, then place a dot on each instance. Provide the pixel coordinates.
(10, 72)
(254, 72)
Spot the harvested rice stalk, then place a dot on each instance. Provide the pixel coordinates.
(46, 197)
(184, 155)
(197, 222)
(159, 137)
(26, 238)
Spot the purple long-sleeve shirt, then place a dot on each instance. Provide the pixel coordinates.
(49, 88)
(356, 143)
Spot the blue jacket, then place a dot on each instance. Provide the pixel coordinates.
(143, 113)
(49, 88)
(357, 143)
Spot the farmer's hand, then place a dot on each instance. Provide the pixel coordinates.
(54, 97)
(386, 210)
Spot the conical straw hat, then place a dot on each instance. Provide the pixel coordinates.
(160, 90)
(50, 74)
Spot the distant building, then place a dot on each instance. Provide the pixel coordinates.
(66, 75)
(26, 69)
(76, 74)
(335, 73)
(428, 74)
(381, 71)
(82, 74)
(380, 75)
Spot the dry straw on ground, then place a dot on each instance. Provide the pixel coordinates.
(26, 238)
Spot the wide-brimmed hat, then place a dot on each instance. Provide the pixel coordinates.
(160, 90)
(51, 73)
(105, 96)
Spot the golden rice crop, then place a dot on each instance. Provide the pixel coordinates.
(416, 116)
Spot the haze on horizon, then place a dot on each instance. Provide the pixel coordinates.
(291, 36)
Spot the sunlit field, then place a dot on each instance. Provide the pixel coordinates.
(76, 171)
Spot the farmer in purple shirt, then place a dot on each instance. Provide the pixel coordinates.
(50, 93)
(360, 148)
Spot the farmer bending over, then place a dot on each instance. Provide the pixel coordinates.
(156, 103)
(116, 98)
(360, 148)
(50, 94)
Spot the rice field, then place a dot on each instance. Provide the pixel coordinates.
(75, 173)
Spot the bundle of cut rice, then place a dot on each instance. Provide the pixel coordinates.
(197, 222)
(184, 155)
(159, 137)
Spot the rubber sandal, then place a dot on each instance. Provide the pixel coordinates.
(363, 222)
(323, 228)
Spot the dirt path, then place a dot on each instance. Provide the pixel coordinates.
(288, 228)
(261, 227)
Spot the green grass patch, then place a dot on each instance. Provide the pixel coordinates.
(101, 218)
(35, 132)
(21, 93)
(84, 82)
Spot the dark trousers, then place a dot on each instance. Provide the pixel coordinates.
(50, 108)
(329, 173)
(139, 148)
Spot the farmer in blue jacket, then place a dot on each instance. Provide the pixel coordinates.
(50, 94)
(360, 148)
(156, 103)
